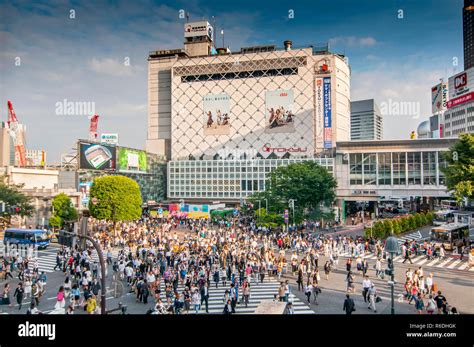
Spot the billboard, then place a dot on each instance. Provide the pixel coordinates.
(202, 28)
(279, 117)
(439, 97)
(84, 189)
(216, 114)
(327, 112)
(131, 160)
(319, 112)
(111, 139)
(95, 156)
(461, 83)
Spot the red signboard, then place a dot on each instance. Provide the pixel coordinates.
(461, 100)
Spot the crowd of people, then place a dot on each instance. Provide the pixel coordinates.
(173, 265)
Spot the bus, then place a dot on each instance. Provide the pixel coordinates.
(450, 235)
(449, 204)
(443, 217)
(28, 237)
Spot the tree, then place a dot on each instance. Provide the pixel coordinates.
(16, 202)
(63, 210)
(387, 227)
(411, 223)
(307, 182)
(459, 171)
(396, 226)
(115, 198)
(417, 220)
(429, 217)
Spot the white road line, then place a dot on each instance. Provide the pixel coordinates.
(433, 262)
(444, 263)
(423, 261)
(463, 266)
(454, 264)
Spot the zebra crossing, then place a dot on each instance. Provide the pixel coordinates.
(47, 258)
(259, 292)
(445, 263)
(416, 236)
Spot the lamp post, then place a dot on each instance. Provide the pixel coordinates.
(291, 202)
(391, 246)
(102, 268)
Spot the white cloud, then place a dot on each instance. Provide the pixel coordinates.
(112, 67)
(388, 85)
(353, 41)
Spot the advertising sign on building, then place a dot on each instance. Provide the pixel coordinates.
(319, 110)
(461, 100)
(84, 189)
(461, 83)
(131, 160)
(112, 139)
(327, 112)
(279, 117)
(216, 117)
(439, 98)
(96, 157)
(202, 28)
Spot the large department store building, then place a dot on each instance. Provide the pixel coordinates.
(224, 120)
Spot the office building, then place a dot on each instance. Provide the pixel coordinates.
(366, 120)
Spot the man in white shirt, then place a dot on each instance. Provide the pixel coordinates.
(366, 284)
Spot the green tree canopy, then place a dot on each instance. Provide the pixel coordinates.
(460, 169)
(115, 198)
(63, 210)
(13, 197)
(311, 185)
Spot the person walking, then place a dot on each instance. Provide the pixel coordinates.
(407, 255)
(349, 305)
(366, 285)
(196, 300)
(308, 291)
(18, 294)
(327, 269)
(316, 291)
(246, 292)
(372, 295)
(431, 305)
(419, 304)
(205, 296)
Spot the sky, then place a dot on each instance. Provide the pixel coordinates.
(96, 52)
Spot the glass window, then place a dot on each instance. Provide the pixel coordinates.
(355, 175)
(399, 166)
(429, 168)
(442, 163)
(369, 168)
(414, 167)
(385, 168)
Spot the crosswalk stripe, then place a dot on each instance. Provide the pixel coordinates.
(420, 257)
(454, 264)
(433, 262)
(472, 268)
(423, 261)
(444, 263)
(463, 266)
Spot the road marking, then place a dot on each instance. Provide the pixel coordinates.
(463, 266)
(423, 261)
(444, 263)
(454, 264)
(433, 262)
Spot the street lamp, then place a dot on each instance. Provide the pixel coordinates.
(291, 202)
(392, 247)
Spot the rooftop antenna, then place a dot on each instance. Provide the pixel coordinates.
(222, 33)
(187, 17)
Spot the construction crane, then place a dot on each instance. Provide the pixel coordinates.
(93, 127)
(18, 135)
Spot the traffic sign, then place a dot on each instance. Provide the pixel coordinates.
(236, 212)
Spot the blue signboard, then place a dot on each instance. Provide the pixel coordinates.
(327, 112)
(236, 212)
